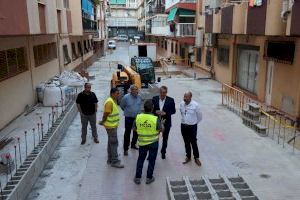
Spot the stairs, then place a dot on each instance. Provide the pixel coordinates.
(251, 118)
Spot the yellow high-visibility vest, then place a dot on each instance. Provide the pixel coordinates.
(146, 129)
(113, 118)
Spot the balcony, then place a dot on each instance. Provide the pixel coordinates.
(217, 22)
(227, 18)
(256, 20)
(186, 29)
(89, 25)
(209, 21)
(122, 22)
(156, 10)
(239, 16)
(294, 21)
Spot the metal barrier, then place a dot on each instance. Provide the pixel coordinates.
(279, 126)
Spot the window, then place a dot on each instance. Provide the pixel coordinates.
(280, 51)
(172, 47)
(199, 55)
(208, 58)
(12, 62)
(66, 4)
(223, 55)
(74, 53)
(44, 53)
(166, 44)
(79, 46)
(67, 58)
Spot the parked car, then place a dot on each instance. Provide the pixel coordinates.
(111, 44)
(123, 37)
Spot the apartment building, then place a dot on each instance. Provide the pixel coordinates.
(171, 24)
(39, 39)
(123, 17)
(254, 46)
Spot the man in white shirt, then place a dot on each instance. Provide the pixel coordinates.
(190, 117)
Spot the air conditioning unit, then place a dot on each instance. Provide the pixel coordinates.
(211, 40)
(199, 37)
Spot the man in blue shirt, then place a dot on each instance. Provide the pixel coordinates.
(131, 105)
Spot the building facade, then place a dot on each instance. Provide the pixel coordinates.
(172, 25)
(254, 47)
(38, 40)
(123, 18)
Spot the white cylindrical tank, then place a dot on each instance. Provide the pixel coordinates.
(54, 95)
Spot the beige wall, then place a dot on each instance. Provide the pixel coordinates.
(75, 7)
(274, 23)
(33, 17)
(223, 72)
(44, 72)
(19, 91)
(51, 17)
(286, 82)
(239, 21)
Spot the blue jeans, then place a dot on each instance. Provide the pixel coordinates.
(143, 150)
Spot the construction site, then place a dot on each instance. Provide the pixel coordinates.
(246, 153)
(208, 90)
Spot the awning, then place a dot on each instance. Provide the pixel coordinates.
(172, 14)
(186, 13)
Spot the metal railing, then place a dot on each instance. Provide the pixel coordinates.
(157, 10)
(186, 29)
(279, 125)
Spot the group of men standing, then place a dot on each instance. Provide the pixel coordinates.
(145, 127)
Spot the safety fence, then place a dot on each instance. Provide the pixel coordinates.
(279, 126)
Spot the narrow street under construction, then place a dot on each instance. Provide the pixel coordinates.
(227, 148)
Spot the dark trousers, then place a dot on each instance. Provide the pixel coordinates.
(85, 119)
(189, 134)
(165, 136)
(143, 150)
(128, 127)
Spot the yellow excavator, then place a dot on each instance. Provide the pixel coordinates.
(124, 78)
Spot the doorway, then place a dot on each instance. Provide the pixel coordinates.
(248, 69)
(142, 51)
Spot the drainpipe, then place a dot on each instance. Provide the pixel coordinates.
(30, 66)
(61, 68)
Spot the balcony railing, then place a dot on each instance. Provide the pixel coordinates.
(156, 10)
(122, 22)
(89, 25)
(186, 29)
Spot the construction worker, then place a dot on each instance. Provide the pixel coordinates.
(148, 127)
(110, 121)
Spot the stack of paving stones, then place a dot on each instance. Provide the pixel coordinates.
(251, 118)
(221, 188)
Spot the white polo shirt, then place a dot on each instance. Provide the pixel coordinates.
(191, 113)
